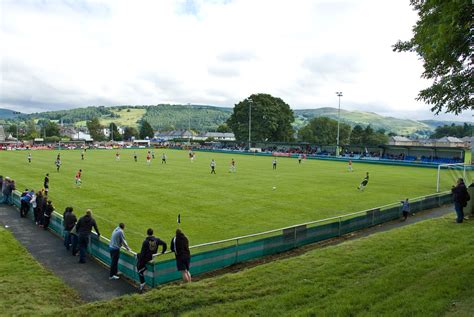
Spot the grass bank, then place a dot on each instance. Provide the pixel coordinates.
(425, 269)
(26, 287)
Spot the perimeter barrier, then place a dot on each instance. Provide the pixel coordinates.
(216, 255)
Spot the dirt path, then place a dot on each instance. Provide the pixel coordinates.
(90, 280)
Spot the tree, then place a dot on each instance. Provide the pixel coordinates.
(224, 128)
(130, 132)
(114, 132)
(357, 135)
(323, 131)
(31, 131)
(51, 129)
(146, 130)
(271, 119)
(442, 40)
(95, 129)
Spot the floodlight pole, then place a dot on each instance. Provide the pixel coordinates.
(250, 123)
(338, 94)
(189, 123)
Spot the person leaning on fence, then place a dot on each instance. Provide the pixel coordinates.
(180, 247)
(116, 242)
(84, 229)
(48, 211)
(149, 248)
(460, 198)
(405, 208)
(25, 199)
(69, 221)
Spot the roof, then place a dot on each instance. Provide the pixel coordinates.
(449, 139)
(400, 139)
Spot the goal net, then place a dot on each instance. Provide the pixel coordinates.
(448, 174)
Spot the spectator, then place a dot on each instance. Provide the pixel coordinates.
(48, 210)
(25, 199)
(180, 247)
(116, 242)
(149, 248)
(69, 221)
(460, 198)
(37, 204)
(84, 229)
(405, 208)
(8, 187)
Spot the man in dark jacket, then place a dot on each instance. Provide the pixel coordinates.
(149, 248)
(25, 202)
(69, 221)
(84, 229)
(48, 211)
(180, 247)
(460, 198)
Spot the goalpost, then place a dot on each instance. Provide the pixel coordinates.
(455, 171)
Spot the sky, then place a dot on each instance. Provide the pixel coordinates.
(76, 53)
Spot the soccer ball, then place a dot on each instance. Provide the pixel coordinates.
(274, 188)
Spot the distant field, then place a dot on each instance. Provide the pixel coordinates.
(26, 287)
(127, 118)
(212, 207)
(424, 269)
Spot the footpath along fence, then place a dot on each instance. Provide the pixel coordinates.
(216, 255)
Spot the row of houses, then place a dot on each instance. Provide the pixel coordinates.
(193, 136)
(449, 142)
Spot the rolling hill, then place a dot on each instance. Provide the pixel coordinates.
(8, 114)
(208, 118)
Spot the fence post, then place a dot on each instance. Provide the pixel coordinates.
(294, 238)
(373, 217)
(339, 226)
(236, 251)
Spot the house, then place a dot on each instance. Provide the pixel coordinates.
(400, 140)
(216, 136)
(3, 137)
(449, 141)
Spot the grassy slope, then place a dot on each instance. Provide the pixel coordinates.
(26, 287)
(418, 270)
(400, 126)
(212, 207)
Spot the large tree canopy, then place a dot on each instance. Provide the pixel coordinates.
(95, 129)
(271, 119)
(442, 40)
(146, 131)
(323, 131)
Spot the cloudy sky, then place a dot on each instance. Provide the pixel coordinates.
(65, 54)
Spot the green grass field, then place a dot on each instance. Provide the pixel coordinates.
(212, 207)
(424, 269)
(27, 288)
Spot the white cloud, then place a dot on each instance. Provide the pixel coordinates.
(63, 54)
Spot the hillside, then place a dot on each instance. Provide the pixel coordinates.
(208, 118)
(423, 269)
(399, 126)
(8, 114)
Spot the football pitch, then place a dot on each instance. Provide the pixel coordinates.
(212, 207)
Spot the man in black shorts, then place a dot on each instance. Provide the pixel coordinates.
(149, 247)
(364, 182)
(180, 247)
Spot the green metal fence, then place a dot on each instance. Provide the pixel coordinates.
(212, 256)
